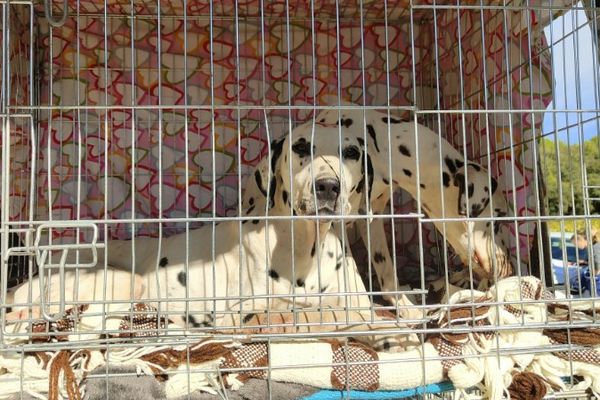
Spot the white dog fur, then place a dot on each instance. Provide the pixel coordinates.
(479, 243)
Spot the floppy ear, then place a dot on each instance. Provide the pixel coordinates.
(369, 174)
(276, 149)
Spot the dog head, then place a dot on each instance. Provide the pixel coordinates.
(311, 174)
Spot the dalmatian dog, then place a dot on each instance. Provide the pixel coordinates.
(453, 188)
(234, 270)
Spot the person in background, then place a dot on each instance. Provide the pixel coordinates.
(580, 240)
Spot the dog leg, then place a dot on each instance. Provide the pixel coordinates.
(386, 270)
(83, 289)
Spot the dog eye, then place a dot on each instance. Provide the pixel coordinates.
(351, 152)
(302, 148)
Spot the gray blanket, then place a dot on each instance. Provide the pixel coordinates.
(146, 387)
(120, 385)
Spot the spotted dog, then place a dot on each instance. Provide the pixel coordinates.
(452, 188)
(234, 270)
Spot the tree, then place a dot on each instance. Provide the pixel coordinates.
(564, 173)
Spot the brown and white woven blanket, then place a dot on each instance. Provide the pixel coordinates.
(510, 340)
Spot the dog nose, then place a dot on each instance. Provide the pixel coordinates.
(328, 189)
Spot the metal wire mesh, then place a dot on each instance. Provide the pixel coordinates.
(142, 146)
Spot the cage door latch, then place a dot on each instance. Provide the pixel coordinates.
(86, 257)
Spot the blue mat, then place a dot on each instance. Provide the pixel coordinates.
(380, 394)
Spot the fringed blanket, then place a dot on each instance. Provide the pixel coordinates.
(510, 340)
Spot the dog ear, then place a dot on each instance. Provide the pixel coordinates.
(276, 149)
(369, 174)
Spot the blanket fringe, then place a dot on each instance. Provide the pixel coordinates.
(480, 332)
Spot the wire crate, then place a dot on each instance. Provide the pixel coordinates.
(299, 199)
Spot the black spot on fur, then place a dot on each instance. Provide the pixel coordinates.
(258, 179)
(250, 210)
(487, 224)
(476, 167)
(486, 189)
(390, 120)
(284, 196)
(273, 274)
(422, 186)
(404, 150)
(272, 189)
(351, 153)
(459, 163)
(300, 282)
(407, 172)
(484, 202)
(182, 278)
(248, 317)
(386, 345)
(471, 189)
(330, 254)
(276, 149)
(312, 251)
(324, 288)
(322, 120)
(255, 221)
(494, 185)
(373, 135)
(476, 209)
(301, 148)
(361, 141)
(194, 322)
(378, 257)
(251, 201)
(163, 262)
(338, 264)
(347, 122)
(387, 182)
(446, 179)
(450, 164)
(459, 181)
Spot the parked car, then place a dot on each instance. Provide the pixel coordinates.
(574, 258)
(582, 284)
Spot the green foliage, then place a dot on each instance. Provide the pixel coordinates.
(568, 179)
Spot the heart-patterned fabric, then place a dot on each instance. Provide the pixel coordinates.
(191, 155)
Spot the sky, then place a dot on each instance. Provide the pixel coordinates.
(567, 69)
